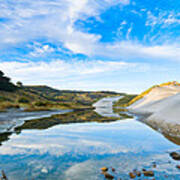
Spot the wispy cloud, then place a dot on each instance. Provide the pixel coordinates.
(134, 50)
(46, 34)
(75, 74)
(54, 21)
(25, 21)
(61, 68)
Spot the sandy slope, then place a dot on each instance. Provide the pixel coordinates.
(162, 105)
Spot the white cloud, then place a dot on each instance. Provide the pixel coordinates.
(164, 18)
(75, 74)
(132, 50)
(54, 20)
(40, 49)
(51, 19)
(62, 68)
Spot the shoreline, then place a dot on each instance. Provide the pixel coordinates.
(160, 109)
(169, 130)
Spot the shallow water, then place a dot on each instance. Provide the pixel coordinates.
(77, 151)
(104, 106)
(16, 117)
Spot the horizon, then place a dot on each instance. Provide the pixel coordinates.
(121, 45)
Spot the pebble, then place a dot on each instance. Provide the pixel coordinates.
(108, 176)
(175, 155)
(148, 173)
(104, 169)
(132, 175)
(113, 170)
(154, 165)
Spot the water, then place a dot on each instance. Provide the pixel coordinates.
(104, 106)
(16, 117)
(44, 149)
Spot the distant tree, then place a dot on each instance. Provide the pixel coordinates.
(7, 79)
(5, 83)
(1, 74)
(19, 84)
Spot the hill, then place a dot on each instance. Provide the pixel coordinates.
(34, 98)
(166, 90)
(159, 107)
(155, 93)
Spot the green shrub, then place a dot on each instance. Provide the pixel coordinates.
(23, 100)
(41, 103)
(2, 98)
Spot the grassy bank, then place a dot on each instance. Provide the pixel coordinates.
(38, 98)
(71, 117)
(124, 101)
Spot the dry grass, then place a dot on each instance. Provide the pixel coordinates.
(36, 98)
(8, 105)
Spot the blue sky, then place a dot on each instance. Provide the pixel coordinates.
(122, 45)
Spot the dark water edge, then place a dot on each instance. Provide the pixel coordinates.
(75, 145)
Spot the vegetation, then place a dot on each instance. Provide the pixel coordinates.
(5, 83)
(19, 84)
(71, 117)
(126, 99)
(23, 100)
(36, 98)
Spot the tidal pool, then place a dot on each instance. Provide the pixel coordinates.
(77, 151)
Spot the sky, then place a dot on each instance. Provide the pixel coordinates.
(119, 45)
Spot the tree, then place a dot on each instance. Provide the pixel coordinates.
(5, 83)
(1, 74)
(19, 84)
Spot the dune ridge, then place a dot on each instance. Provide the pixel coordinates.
(160, 108)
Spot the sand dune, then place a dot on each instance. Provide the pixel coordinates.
(161, 107)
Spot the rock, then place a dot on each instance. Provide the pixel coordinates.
(143, 169)
(154, 165)
(175, 155)
(104, 169)
(4, 175)
(108, 176)
(132, 175)
(113, 170)
(178, 166)
(148, 173)
(138, 173)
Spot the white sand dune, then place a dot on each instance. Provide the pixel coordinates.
(162, 105)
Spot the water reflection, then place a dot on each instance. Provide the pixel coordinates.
(16, 117)
(104, 106)
(62, 147)
(78, 151)
(67, 118)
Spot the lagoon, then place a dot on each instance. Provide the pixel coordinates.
(77, 151)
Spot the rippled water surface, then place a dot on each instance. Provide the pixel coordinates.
(77, 151)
